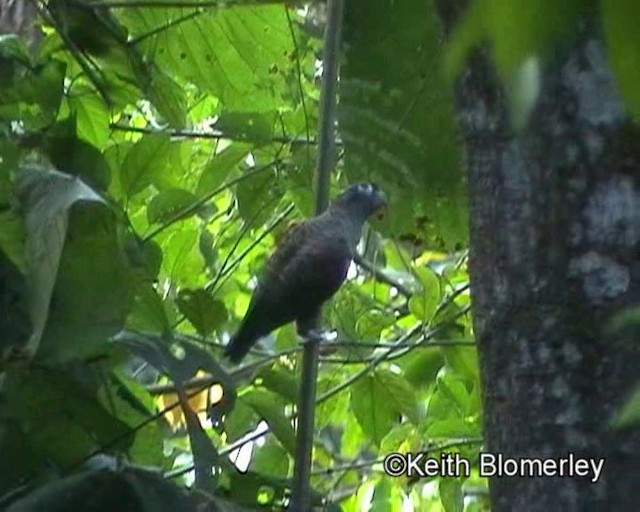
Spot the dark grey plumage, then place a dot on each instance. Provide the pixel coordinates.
(307, 268)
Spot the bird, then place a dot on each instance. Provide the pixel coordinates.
(308, 266)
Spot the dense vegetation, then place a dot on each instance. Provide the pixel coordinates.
(152, 155)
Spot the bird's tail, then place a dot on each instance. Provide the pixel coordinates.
(239, 346)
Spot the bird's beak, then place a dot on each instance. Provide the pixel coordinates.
(381, 205)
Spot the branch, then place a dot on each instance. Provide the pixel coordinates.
(381, 275)
(398, 349)
(163, 4)
(213, 134)
(301, 492)
(192, 208)
(368, 463)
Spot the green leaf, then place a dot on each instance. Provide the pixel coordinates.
(91, 114)
(451, 427)
(168, 97)
(383, 497)
(204, 312)
(220, 166)
(347, 308)
(34, 95)
(621, 21)
(451, 494)
(402, 438)
(271, 408)
(629, 414)
(453, 389)
(397, 257)
(423, 306)
(182, 259)
(148, 312)
(13, 48)
(464, 360)
(280, 381)
(396, 117)
(240, 421)
(251, 126)
(47, 89)
(257, 197)
(63, 213)
(94, 288)
(135, 406)
(49, 406)
(271, 459)
(239, 59)
(371, 325)
(144, 163)
(377, 401)
(79, 158)
(421, 366)
(336, 406)
(453, 410)
(169, 205)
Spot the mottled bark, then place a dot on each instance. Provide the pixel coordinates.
(19, 17)
(555, 245)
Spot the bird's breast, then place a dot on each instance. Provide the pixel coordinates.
(334, 270)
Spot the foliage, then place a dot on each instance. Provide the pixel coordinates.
(168, 149)
(150, 158)
(525, 37)
(154, 168)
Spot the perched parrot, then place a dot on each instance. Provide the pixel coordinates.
(307, 268)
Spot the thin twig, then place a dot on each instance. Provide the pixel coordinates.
(179, 4)
(368, 463)
(213, 134)
(382, 276)
(193, 207)
(299, 74)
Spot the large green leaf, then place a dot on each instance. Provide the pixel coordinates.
(91, 114)
(131, 403)
(257, 197)
(237, 60)
(71, 232)
(271, 459)
(423, 305)
(170, 205)
(33, 98)
(378, 400)
(58, 417)
(144, 163)
(451, 494)
(220, 166)
(203, 311)
(271, 408)
(396, 118)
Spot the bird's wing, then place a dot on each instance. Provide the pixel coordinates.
(308, 266)
(314, 261)
(291, 242)
(271, 285)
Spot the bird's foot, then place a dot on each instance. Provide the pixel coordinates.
(314, 336)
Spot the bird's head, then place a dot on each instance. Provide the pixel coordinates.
(362, 200)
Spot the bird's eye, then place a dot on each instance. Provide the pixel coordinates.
(366, 188)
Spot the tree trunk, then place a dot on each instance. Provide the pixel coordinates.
(19, 17)
(555, 245)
